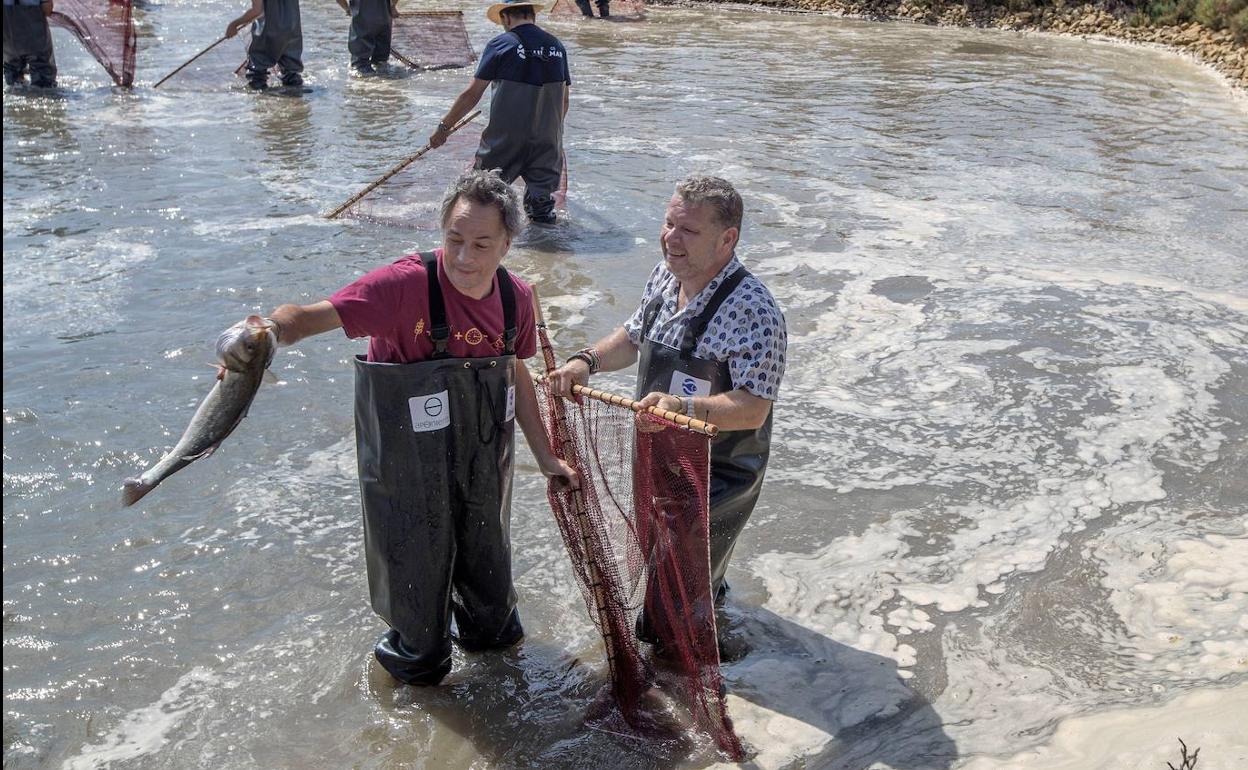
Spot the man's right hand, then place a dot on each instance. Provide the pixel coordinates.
(231, 29)
(438, 137)
(574, 372)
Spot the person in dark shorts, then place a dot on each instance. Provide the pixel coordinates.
(604, 8)
(372, 22)
(528, 69)
(276, 40)
(28, 43)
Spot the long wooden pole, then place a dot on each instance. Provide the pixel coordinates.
(684, 421)
(401, 165)
(218, 42)
(404, 59)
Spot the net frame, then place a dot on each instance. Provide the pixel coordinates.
(215, 67)
(411, 198)
(106, 29)
(414, 33)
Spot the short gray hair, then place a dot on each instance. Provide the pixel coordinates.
(489, 189)
(717, 193)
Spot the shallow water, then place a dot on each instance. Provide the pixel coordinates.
(1008, 488)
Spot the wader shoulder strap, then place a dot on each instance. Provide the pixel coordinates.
(438, 328)
(507, 293)
(697, 327)
(652, 312)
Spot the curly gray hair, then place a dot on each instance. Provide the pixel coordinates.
(487, 188)
(718, 193)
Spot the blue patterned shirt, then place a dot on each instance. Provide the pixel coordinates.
(747, 331)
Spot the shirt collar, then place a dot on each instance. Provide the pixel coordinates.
(698, 302)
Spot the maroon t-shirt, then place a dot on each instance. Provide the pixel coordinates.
(391, 305)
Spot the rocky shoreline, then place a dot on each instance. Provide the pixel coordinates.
(1216, 49)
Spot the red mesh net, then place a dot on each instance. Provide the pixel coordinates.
(637, 534)
(620, 9)
(106, 28)
(431, 39)
(411, 199)
(216, 67)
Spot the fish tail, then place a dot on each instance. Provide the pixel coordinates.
(134, 489)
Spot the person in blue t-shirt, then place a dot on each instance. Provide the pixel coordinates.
(528, 68)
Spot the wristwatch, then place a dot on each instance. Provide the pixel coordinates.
(443, 127)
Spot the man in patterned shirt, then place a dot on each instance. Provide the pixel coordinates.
(711, 341)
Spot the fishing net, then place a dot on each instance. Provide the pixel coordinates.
(431, 39)
(637, 534)
(412, 198)
(106, 29)
(623, 10)
(215, 68)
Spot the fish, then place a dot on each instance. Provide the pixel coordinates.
(245, 351)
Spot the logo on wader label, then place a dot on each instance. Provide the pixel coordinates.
(511, 403)
(431, 412)
(688, 385)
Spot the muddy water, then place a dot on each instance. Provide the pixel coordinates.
(1008, 488)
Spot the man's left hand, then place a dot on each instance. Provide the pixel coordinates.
(664, 401)
(554, 468)
(658, 400)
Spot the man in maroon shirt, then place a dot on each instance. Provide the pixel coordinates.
(437, 399)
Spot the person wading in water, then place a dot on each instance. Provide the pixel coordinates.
(711, 342)
(436, 403)
(528, 68)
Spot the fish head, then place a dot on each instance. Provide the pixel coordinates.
(251, 342)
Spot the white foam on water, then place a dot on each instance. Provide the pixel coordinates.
(1089, 276)
(1181, 600)
(571, 309)
(147, 730)
(1142, 738)
(229, 230)
(936, 394)
(779, 739)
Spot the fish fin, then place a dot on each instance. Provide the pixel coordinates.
(201, 455)
(270, 378)
(133, 490)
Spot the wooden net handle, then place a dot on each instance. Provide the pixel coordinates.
(188, 62)
(683, 420)
(401, 165)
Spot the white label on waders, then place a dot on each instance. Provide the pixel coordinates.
(431, 412)
(511, 403)
(687, 385)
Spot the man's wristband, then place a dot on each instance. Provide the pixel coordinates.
(688, 404)
(443, 127)
(589, 356)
